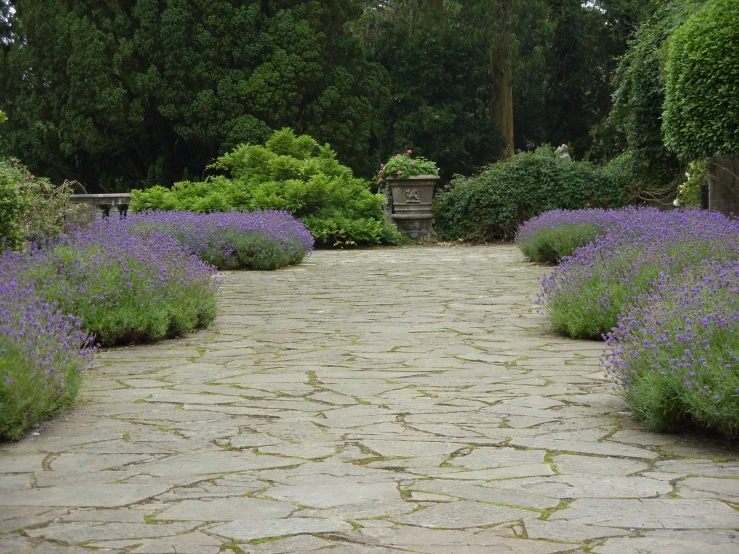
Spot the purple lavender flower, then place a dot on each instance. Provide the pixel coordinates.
(36, 340)
(587, 292)
(692, 390)
(256, 240)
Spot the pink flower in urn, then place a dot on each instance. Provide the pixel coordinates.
(410, 151)
(381, 179)
(413, 163)
(399, 172)
(397, 155)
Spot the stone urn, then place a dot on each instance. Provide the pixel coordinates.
(411, 205)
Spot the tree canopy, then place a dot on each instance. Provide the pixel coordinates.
(123, 94)
(149, 91)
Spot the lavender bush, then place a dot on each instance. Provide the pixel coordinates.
(255, 240)
(674, 351)
(558, 233)
(126, 287)
(42, 352)
(586, 293)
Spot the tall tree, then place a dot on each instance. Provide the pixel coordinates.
(503, 71)
(120, 93)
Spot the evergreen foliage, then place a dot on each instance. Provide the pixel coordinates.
(436, 106)
(634, 124)
(701, 110)
(147, 92)
(494, 203)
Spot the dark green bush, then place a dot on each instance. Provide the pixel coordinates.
(494, 203)
(291, 173)
(701, 111)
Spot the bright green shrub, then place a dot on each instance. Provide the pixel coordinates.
(494, 203)
(701, 111)
(13, 204)
(292, 173)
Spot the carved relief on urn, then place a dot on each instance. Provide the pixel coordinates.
(412, 198)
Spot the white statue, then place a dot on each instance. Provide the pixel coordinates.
(564, 152)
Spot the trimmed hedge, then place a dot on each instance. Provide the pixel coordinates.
(494, 203)
(701, 111)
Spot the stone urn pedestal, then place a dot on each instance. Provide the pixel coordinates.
(411, 210)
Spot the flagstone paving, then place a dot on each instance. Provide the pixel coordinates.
(378, 401)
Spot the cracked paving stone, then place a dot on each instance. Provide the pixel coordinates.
(464, 514)
(591, 465)
(530, 470)
(25, 463)
(360, 512)
(248, 530)
(189, 543)
(406, 449)
(328, 492)
(700, 467)
(226, 509)
(604, 449)
(453, 542)
(78, 532)
(488, 494)
(484, 458)
(309, 451)
(651, 514)
(674, 542)
(567, 531)
(289, 545)
(706, 487)
(575, 486)
(93, 496)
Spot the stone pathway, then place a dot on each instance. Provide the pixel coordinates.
(378, 401)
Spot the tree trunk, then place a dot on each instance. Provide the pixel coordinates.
(435, 8)
(502, 109)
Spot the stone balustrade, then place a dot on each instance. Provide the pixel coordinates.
(94, 207)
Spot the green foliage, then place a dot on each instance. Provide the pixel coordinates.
(634, 125)
(579, 59)
(132, 92)
(701, 111)
(494, 203)
(23, 402)
(13, 204)
(31, 208)
(689, 193)
(550, 245)
(440, 103)
(403, 165)
(127, 307)
(292, 173)
(584, 315)
(49, 207)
